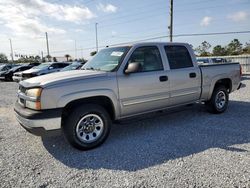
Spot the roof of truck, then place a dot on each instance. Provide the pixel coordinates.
(149, 43)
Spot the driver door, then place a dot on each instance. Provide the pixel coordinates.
(145, 90)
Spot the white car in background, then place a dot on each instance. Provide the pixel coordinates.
(17, 77)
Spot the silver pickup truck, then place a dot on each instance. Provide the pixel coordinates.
(121, 82)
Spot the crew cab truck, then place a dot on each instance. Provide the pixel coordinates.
(118, 83)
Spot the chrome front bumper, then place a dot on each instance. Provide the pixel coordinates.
(16, 78)
(46, 124)
(38, 122)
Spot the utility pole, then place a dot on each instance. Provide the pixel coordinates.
(171, 21)
(42, 56)
(47, 42)
(75, 51)
(96, 36)
(81, 52)
(11, 54)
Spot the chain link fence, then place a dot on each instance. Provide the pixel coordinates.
(244, 60)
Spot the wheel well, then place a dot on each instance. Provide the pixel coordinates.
(103, 101)
(225, 82)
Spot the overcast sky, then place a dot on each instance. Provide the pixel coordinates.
(67, 21)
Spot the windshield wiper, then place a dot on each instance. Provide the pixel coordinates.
(91, 68)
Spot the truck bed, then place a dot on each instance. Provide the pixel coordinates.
(217, 71)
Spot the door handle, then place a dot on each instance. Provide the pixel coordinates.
(192, 75)
(163, 78)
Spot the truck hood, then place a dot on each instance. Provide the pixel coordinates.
(60, 77)
(2, 73)
(33, 70)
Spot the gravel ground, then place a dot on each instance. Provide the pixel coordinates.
(187, 147)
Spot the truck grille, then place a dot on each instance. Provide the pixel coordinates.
(22, 89)
(26, 76)
(21, 101)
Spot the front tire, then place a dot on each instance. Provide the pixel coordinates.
(219, 100)
(87, 126)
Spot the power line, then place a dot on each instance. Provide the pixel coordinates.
(213, 33)
(135, 20)
(151, 14)
(160, 37)
(207, 7)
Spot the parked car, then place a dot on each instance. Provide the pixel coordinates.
(42, 69)
(211, 60)
(4, 68)
(17, 77)
(73, 66)
(219, 60)
(17, 74)
(8, 76)
(118, 83)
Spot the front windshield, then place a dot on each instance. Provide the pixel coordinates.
(107, 59)
(41, 66)
(73, 66)
(1, 67)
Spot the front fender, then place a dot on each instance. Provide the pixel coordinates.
(66, 99)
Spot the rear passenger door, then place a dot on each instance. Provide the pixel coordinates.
(185, 78)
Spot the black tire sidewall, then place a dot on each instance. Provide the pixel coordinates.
(69, 128)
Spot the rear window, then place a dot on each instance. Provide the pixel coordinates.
(178, 57)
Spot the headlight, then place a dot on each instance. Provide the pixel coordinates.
(33, 98)
(35, 92)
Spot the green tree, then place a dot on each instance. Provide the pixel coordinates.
(219, 51)
(54, 59)
(234, 47)
(67, 56)
(37, 57)
(203, 49)
(246, 49)
(93, 53)
(27, 59)
(49, 57)
(82, 60)
(3, 58)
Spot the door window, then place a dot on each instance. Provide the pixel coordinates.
(178, 57)
(62, 65)
(148, 57)
(54, 66)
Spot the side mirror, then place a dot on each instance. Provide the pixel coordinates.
(50, 68)
(132, 68)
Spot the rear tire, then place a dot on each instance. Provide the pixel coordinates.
(219, 100)
(87, 126)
